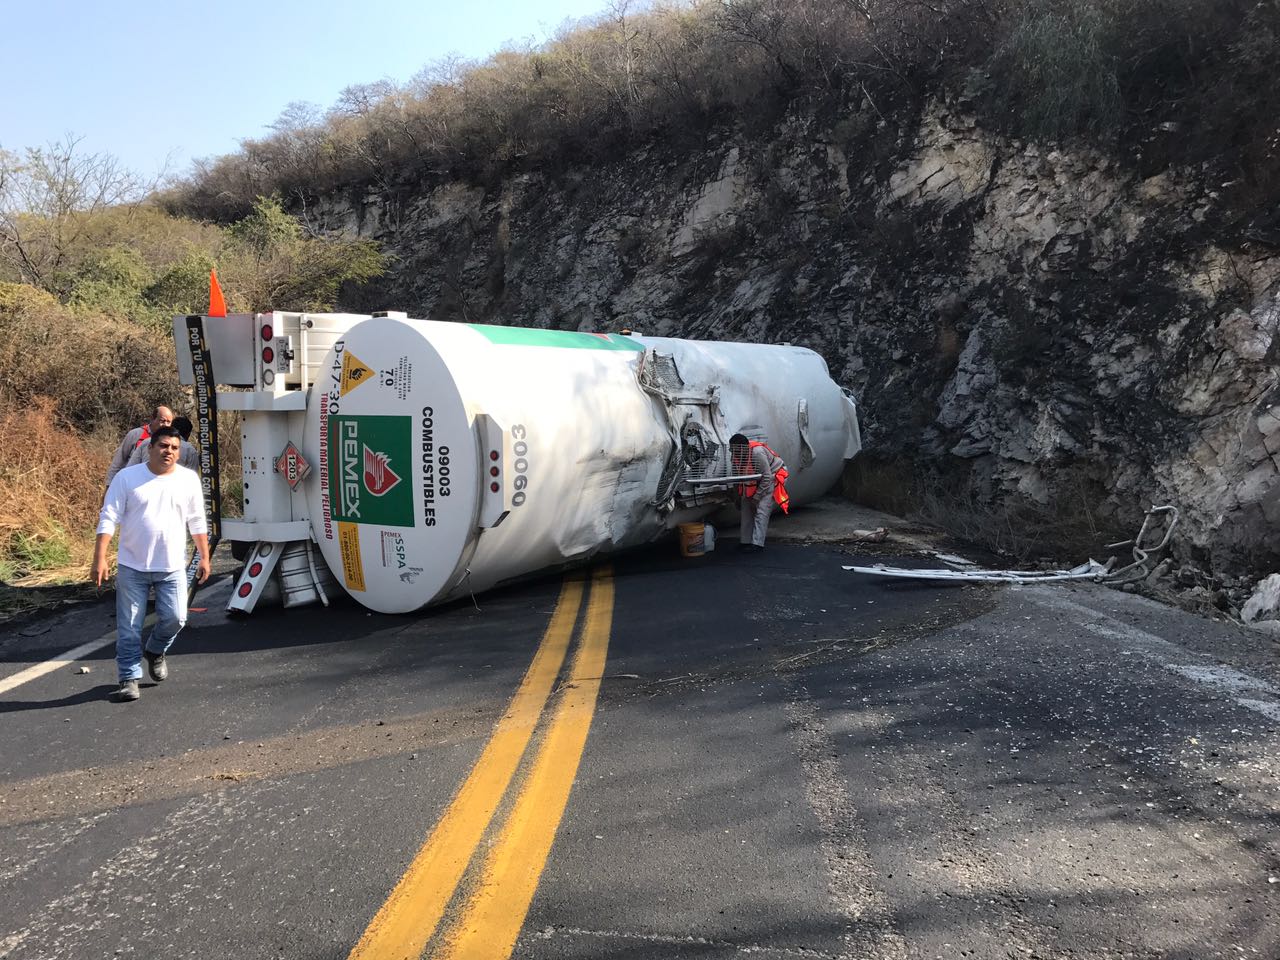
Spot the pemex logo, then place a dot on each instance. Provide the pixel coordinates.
(379, 478)
(369, 460)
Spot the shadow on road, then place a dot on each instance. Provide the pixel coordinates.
(100, 692)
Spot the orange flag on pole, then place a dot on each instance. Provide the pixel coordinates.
(217, 305)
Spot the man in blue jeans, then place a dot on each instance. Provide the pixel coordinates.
(154, 505)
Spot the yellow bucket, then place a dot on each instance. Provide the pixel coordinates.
(693, 541)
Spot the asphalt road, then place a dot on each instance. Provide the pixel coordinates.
(760, 755)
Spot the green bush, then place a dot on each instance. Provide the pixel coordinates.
(32, 553)
(270, 263)
(183, 287)
(110, 280)
(267, 230)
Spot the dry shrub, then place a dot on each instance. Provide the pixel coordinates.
(1073, 524)
(1075, 521)
(101, 373)
(1061, 60)
(70, 386)
(672, 69)
(51, 484)
(882, 483)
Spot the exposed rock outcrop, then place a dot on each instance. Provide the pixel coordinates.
(1017, 321)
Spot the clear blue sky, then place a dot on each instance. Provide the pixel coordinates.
(143, 79)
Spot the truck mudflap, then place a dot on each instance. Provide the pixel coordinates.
(290, 571)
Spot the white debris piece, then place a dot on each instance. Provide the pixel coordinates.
(1092, 570)
(1265, 602)
(878, 535)
(953, 559)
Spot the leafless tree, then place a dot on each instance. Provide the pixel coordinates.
(48, 198)
(447, 71)
(359, 99)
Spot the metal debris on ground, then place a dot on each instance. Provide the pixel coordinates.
(1086, 571)
(1158, 522)
(878, 535)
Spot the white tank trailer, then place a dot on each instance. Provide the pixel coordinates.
(425, 461)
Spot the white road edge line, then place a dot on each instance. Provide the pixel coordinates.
(78, 653)
(63, 660)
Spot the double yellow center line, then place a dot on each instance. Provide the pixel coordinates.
(488, 920)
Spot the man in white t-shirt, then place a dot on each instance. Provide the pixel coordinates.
(154, 505)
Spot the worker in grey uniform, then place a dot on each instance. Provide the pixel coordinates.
(759, 497)
(189, 457)
(162, 416)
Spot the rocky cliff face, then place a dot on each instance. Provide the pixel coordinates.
(1020, 324)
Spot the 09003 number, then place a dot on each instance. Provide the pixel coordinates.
(520, 464)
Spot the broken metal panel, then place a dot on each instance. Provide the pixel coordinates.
(1157, 526)
(758, 391)
(665, 374)
(1142, 549)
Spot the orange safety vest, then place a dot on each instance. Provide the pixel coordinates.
(780, 496)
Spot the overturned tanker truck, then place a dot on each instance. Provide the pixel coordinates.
(411, 462)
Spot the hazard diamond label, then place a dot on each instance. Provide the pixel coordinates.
(354, 373)
(293, 466)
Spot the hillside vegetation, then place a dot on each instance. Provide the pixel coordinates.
(91, 272)
(1102, 150)
(1122, 74)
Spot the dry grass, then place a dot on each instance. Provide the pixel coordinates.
(102, 372)
(70, 385)
(1074, 521)
(1067, 529)
(51, 484)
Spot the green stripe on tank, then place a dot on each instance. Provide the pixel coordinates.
(569, 339)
